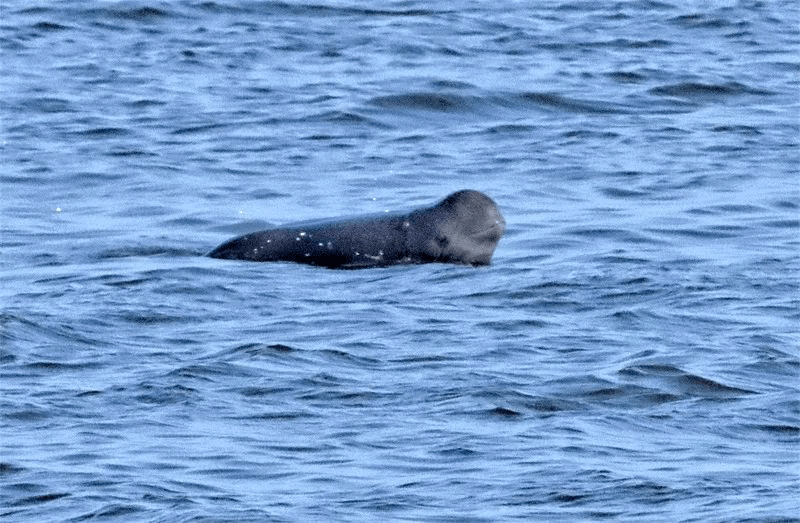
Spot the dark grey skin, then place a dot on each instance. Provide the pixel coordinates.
(464, 228)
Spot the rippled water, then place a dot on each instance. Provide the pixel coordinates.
(632, 353)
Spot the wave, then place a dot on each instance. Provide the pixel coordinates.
(698, 90)
(675, 380)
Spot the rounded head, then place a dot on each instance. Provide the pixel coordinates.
(463, 228)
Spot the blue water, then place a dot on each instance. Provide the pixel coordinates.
(632, 353)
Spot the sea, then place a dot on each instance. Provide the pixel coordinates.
(632, 353)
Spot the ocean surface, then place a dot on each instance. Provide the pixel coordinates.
(631, 354)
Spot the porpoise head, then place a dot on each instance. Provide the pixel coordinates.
(463, 228)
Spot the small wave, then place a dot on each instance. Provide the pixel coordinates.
(583, 134)
(60, 367)
(696, 90)
(204, 372)
(782, 224)
(504, 412)
(103, 132)
(518, 404)
(9, 468)
(150, 318)
(259, 392)
(591, 390)
(678, 381)
(277, 416)
(141, 13)
(167, 395)
(128, 252)
(563, 103)
(26, 415)
(38, 499)
(121, 11)
(348, 118)
(617, 192)
(113, 510)
(728, 209)
(626, 77)
(510, 129)
(50, 26)
(195, 129)
(242, 227)
(123, 153)
(698, 21)
(257, 350)
(625, 43)
(515, 104)
(48, 105)
(344, 357)
(708, 233)
(621, 235)
(38, 332)
(782, 430)
(737, 129)
(513, 325)
(310, 9)
(423, 101)
(451, 84)
(145, 102)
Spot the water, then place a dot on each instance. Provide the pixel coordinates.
(631, 354)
